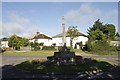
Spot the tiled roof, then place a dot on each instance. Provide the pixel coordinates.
(67, 35)
(39, 36)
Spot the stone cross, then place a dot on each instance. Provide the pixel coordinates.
(63, 32)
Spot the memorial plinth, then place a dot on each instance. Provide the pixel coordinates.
(64, 54)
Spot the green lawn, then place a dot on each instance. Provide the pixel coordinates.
(31, 53)
(35, 53)
(104, 53)
(50, 53)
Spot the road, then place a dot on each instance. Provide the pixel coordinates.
(112, 58)
(16, 59)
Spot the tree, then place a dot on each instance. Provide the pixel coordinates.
(107, 29)
(24, 42)
(73, 32)
(97, 25)
(110, 31)
(96, 35)
(99, 36)
(117, 37)
(117, 34)
(13, 41)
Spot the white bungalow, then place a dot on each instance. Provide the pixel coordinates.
(4, 42)
(41, 38)
(57, 39)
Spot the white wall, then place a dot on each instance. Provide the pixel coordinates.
(57, 41)
(67, 41)
(80, 39)
(115, 43)
(4, 44)
(47, 42)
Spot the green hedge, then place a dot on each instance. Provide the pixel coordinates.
(100, 47)
(48, 48)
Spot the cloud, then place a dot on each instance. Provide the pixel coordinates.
(18, 25)
(18, 19)
(86, 15)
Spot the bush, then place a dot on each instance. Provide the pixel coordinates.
(41, 44)
(100, 47)
(48, 48)
(75, 46)
(87, 46)
(59, 47)
(36, 48)
(118, 48)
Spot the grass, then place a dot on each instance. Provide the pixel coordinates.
(35, 53)
(89, 65)
(77, 50)
(31, 53)
(51, 52)
(104, 52)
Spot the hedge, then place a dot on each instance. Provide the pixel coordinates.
(48, 48)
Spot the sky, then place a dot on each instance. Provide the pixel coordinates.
(27, 18)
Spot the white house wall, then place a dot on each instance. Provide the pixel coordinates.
(80, 39)
(57, 41)
(4, 44)
(47, 42)
(68, 41)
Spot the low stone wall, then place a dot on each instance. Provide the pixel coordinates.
(25, 48)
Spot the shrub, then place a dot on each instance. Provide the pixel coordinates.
(118, 48)
(41, 44)
(59, 47)
(75, 46)
(36, 48)
(81, 45)
(100, 47)
(54, 44)
(103, 47)
(87, 46)
(48, 48)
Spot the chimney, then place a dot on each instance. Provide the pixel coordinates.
(37, 32)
